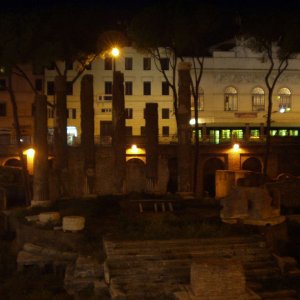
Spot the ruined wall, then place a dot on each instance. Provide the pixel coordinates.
(104, 182)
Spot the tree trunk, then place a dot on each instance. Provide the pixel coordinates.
(196, 156)
(268, 137)
(151, 119)
(26, 181)
(184, 129)
(60, 133)
(119, 131)
(40, 178)
(87, 131)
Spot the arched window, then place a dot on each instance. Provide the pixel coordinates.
(230, 99)
(284, 98)
(200, 100)
(258, 99)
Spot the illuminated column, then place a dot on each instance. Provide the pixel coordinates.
(151, 119)
(87, 131)
(119, 132)
(29, 160)
(40, 174)
(184, 151)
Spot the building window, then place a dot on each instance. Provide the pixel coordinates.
(2, 84)
(128, 63)
(107, 87)
(71, 113)
(147, 63)
(69, 88)
(108, 63)
(69, 65)
(258, 99)
(165, 131)
(147, 88)
(164, 64)
(128, 130)
(39, 85)
(165, 88)
(143, 131)
(230, 99)
(106, 110)
(2, 109)
(284, 98)
(50, 87)
(165, 113)
(50, 112)
(128, 87)
(200, 101)
(128, 113)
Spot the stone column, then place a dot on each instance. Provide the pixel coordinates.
(119, 132)
(60, 136)
(40, 165)
(184, 150)
(60, 125)
(151, 118)
(87, 131)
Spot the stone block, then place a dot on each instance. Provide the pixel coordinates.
(218, 277)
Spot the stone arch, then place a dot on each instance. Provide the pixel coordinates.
(252, 164)
(209, 171)
(135, 175)
(12, 162)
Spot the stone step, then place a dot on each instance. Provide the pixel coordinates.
(137, 291)
(112, 246)
(286, 294)
(263, 273)
(159, 267)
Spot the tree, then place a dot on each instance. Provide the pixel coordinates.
(15, 56)
(277, 42)
(181, 31)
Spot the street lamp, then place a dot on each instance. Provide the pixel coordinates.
(115, 52)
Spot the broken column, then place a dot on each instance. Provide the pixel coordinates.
(87, 131)
(184, 150)
(40, 171)
(119, 132)
(151, 119)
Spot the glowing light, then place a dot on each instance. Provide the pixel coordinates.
(30, 158)
(282, 110)
(115, 52)
(134, 149)
(236, 147)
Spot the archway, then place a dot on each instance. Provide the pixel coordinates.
(209, 171)
(13, 162)
(172, 185)
(135, 175)
(252, 164)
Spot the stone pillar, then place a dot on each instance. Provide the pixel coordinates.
(60, 124)
(151, 118)
(87, 131)
(119, 132)
(184, 150)
(40, 165)
(60, 146)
